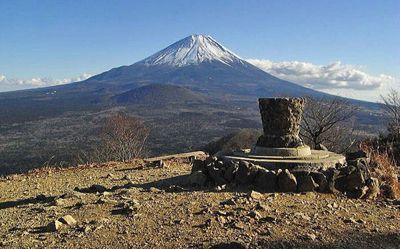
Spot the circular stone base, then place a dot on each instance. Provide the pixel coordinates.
(300, 151)
(317, 160)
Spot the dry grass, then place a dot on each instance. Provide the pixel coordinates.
(383, 167)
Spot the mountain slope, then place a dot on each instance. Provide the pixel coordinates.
(157, 94)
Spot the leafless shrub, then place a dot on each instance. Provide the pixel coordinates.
(383, 167)
(392, 107)
(326, 121)
(122, 138)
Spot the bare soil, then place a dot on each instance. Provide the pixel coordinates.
(146, 208)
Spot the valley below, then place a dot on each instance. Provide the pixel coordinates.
(62, 140)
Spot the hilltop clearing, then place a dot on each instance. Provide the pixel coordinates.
(129, 205)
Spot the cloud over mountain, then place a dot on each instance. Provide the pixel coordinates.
(15, 84)
(331, 76)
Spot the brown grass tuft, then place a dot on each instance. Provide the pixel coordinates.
(383, 167)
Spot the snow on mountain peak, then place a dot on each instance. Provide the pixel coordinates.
(193, 50)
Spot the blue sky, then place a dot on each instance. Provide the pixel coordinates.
(64, 39)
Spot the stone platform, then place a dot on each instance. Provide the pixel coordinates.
(280, 146)
(316, 160)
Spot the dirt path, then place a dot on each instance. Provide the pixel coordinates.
(136, 207)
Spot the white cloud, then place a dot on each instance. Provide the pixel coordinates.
(16, 84)
(324, 77)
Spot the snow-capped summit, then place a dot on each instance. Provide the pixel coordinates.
(193, 50)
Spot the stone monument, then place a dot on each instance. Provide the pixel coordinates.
(280, 146)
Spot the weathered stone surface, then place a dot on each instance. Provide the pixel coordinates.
(306, 184)
(281, 122)
(255, 195)
(246, 173)
(216, 175)
(54, 226)
(266, 181)
(197, 178)
(68, 220)
(230, 171)
(355, 180)
(198, 165)
(320, 179)
(286, 181)
(355, 155)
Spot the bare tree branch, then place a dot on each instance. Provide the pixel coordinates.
(323, 123)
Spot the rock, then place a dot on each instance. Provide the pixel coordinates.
(68, 220)
(54, 226)
(355, 155)
(373, 188)
(219, 212)
(159, 164)
(230, 171)
(306, 184)
(310, 236)
(197, 178)
(229, 202)
(358, 193)
(155, 190)
(320, 179)
(216, 175)
(286, 181)
(269, 219)
(354, 221)
(255, 195)
(59, 202)
(331, 176)
(238, 225)
(263, 207)
(266, 181)
(246, 173)
(355, 180)
(255, 215)
(94, 188)
(128, 208)
(220, 188)
(300, 171)
(198, 165)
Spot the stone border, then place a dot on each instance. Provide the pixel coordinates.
(353, 180)
(300, 151)
(318, 159)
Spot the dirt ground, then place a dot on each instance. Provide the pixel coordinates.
(141, 207)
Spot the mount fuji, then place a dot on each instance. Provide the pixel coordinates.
(202, 64)
(195, 65)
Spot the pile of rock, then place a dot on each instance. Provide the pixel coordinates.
(353, 179)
